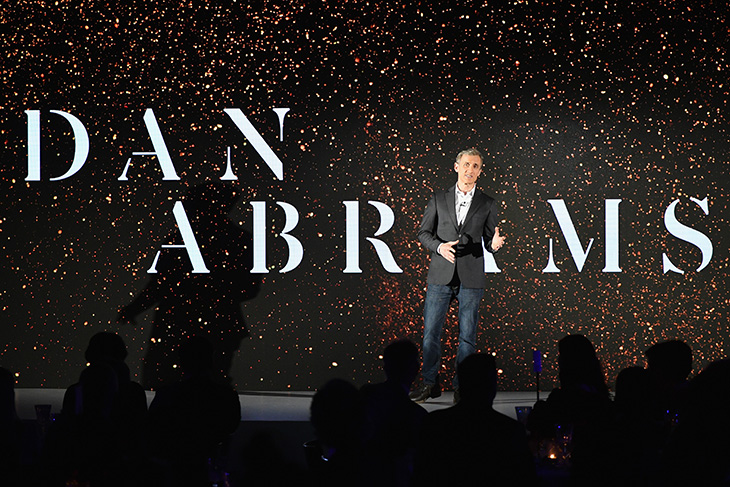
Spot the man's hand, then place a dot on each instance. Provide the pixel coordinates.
(447, 251)
(497, 240)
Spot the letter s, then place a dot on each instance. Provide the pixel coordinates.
(690, 235)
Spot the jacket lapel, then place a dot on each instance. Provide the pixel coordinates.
(476, 202)
(450, 197)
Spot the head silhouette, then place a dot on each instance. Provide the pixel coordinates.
(337, 414)
(671, 360)
(477, 378)
(401, 362)
(106, 347)
(579, 365)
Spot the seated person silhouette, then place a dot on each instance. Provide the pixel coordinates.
(86, 444)
(394, 420)
(338, 417)
(130, 408)
(697, 450)
(639, 438)
(470, 443)
(582, 406)
(191, 420)
(103, 415)
(11, 432)
(669, 364)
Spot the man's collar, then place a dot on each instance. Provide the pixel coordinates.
(469, 193)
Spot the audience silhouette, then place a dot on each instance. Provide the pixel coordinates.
(265, 463)
(661, 429)
(198, 303)
(697, 449)
(98, 439)
(190, 421)
(393, 420)
(638, 436)
(85, 445)
(579, 413)
(470, 443)
(130, 403)
(669, 363)
(337, 414)
(11, 433)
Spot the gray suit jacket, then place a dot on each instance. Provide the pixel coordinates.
(439, 225)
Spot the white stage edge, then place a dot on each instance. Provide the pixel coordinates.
(269, 406)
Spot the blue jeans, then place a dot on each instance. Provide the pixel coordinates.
(438, 300)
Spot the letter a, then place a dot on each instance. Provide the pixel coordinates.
(189, 242)
(163, 155)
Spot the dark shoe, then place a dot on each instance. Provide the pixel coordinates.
(426, 391)
(457, 396)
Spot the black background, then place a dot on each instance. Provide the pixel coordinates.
(582, 102)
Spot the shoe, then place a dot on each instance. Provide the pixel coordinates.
(426, 391)
(457, 396)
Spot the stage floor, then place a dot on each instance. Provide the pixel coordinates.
(268, 406)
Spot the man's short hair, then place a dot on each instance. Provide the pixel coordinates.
(469, 152)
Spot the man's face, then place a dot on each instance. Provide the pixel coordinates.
(468, 168)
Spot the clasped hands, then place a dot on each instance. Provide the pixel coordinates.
(448, 251)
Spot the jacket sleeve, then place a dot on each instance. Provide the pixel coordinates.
(427, 234)
(489, 224)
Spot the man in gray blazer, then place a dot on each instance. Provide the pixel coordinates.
(457, 225)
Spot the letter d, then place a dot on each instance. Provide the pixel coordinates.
(81, 146)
